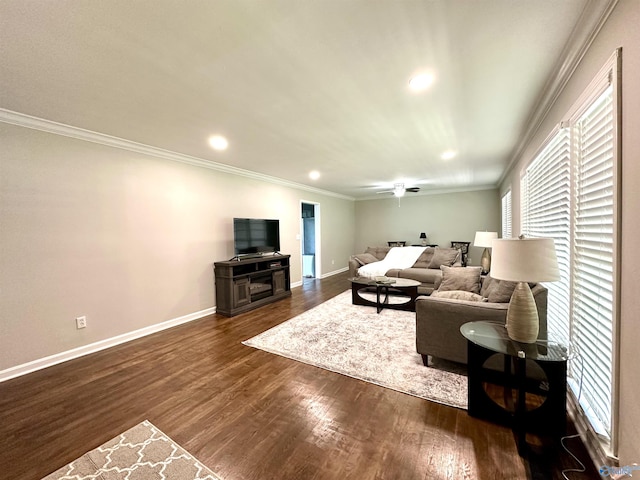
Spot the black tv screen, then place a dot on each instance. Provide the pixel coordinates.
(255, 235)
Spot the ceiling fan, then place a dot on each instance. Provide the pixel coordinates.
(399, 190)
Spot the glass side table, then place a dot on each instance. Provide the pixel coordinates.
(517, 373)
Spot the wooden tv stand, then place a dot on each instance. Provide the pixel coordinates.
(248, 283)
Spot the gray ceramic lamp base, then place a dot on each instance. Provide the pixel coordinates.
(523, 324)
(485, 261)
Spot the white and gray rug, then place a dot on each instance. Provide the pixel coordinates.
(142, 453)
(357, 342)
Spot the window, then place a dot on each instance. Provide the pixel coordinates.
(506, 215)
(546, 192)
(568, 193)
(593, 255)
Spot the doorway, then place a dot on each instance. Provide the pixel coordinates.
(310, 228)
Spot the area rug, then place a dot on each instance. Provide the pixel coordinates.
(141, 453)
(356, 341)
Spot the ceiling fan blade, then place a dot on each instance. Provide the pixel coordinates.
(412, 189)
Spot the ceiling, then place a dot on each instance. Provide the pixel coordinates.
(296, 85)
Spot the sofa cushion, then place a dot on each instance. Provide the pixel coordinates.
(444, 256)
(423, 275)
(460, 295)
(364, 258)
(378, 252)
(460, 278)
(425, 258)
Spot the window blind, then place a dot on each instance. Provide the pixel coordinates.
(506, 215)
(546, 213)
(593, 256)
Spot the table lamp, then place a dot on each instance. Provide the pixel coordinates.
(423, 237)
(524, 260)
(485, 239)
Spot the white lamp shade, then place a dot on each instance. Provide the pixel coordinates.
(525, 260)
(485, 239)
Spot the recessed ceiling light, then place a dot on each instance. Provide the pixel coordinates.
(421, 81)
(218, 142)
(314, 175)
(448, 155)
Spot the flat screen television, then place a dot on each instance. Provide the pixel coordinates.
(255, 236)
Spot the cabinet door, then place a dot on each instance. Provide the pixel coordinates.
(241, 294)
(279, 284)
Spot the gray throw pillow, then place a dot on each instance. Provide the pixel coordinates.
(460, 278)
(364, 258)
(459, 295)
(487, 286)
(500, 291)
(443, 256)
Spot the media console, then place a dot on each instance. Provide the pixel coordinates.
(248, 283)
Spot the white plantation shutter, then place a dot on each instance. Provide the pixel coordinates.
(546, 211)
(506, 215)
(593, 259)
(569, 193)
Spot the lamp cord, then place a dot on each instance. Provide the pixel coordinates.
(582, 468)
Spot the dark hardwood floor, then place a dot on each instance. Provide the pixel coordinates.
(248, 414)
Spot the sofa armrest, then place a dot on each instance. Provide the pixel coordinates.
(354, 265)
(461, 311)
(438, 322)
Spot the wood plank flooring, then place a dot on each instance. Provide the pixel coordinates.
(248, 414)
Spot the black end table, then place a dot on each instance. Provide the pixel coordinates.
(485, 339)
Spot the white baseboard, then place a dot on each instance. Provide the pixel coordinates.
(335, 272)
(61, 357)
(324, 275)
(51, 360)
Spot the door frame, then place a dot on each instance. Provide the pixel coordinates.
(318, 242)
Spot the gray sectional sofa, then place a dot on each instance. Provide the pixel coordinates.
(426, 270)
(438, 318)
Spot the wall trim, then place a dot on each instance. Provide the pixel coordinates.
(324, 275)
(61, 357)
(334, 272)
(49, 126)
(593, 17)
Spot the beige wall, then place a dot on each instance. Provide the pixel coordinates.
(126, 239)
(621, 30)
(444, 218)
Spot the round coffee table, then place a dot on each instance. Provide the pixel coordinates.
(387, 293)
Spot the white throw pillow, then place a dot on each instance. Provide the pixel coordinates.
(459, 295)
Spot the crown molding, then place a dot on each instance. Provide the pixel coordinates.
(593, 17)
(49, 126)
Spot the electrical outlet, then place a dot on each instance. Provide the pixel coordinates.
(81, 322)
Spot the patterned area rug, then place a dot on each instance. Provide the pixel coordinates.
(355, 341)
(141, 453)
